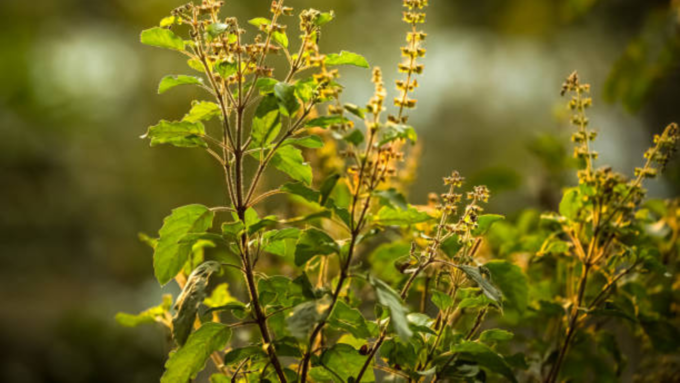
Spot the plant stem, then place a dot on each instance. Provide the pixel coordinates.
(572, 327)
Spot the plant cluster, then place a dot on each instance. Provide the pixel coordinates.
(373, 288)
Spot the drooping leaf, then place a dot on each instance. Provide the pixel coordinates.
(486, 358)
(512, 282)
(267, 122)
(281, 38)
(187, 302)
(285, 94)
(392, 300)
(183, 134)
(150, 315)
(202, 111)
(327, 187)
(169, 82)
(162, 38)
(313, 242)
(476, 274)
(346, 58)
(185, 363)
(170, 255)
(289, 160)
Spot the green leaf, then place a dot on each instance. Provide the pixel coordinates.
(259, 21)
(313, 142)
(393, 198)
(202, 111)
(306, 315)
(346, 58)
(476, 274)
(484, 223)
(388, 216)
(349, 319)
(355, 110)
(226, 68)
(216, 29)
(301, 190)
(220, 296)
(495, 335)
(512, 282)
(571, 203)
(324, 18)
(185, 363)
(313, 242)
(266, 85)
(398, 132)
(451, 245)
(183, 134)
(486, 357)
(345, 362)
(442, 300)
(162, 38)
(289, 160)
(355, 137)
(187, 303)
(237, 355)
(326, 122)
(170, 255)
(383, 259)
(392, 300)
(327, 187)
(288, 102)
(150, 315)
(169, 82)
(267, 122)
(168, 21)
(281, 38)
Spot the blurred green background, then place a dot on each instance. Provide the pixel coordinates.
(77, 184)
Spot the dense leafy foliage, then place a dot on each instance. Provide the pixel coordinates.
(354, 283)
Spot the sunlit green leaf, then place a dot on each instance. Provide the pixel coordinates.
(484, 223)
(170, 255)
(169, 82)
(182, 134)
(346, 58)
(185, 363)
(389, 298)
(150, 315)
(202, 111)
(267, 122)
(289, 160)
(162, 38)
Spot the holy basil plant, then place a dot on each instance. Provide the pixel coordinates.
(316, 267)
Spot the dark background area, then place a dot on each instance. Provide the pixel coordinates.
(77, 184)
